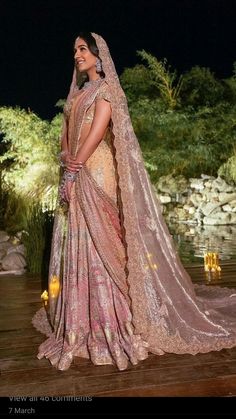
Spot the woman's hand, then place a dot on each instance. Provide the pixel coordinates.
(69, 162)
(72, 164)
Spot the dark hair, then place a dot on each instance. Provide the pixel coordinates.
(92, 46)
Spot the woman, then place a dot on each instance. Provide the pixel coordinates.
(122, 289)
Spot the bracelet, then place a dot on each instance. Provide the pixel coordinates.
(69, 175)
(80, 164)
(60, 155)
(64, 152)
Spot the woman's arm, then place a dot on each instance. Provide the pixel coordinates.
(102, 116)
(64, 143)
(64, 153)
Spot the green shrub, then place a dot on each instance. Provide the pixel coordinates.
(185, 125)
(200, 88)
(228, 169)
(37, 238)
(30, 156)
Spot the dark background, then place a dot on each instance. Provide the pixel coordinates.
(37, 41)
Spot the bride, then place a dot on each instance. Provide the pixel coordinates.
(117, 288)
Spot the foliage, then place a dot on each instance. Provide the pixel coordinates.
(163, 79)
(29, 180)
(36, 239)
(194, 135)
(228, 169)
(230, 87)
(183, 142)
(16, 212)
(200, 88)
(36, 227)
(30, 158)
(137, 83)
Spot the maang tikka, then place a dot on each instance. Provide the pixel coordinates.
(98, 65)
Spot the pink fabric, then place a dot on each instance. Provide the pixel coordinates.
(91, 317)
(94, 320)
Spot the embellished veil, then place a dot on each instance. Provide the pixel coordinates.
(169, 312)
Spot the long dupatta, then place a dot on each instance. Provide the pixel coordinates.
(169, 312)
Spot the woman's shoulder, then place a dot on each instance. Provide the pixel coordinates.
(104, 91)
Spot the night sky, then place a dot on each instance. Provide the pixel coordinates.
(37, 41)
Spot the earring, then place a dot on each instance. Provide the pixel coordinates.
(98, 65)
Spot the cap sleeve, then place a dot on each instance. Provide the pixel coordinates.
(103, 93)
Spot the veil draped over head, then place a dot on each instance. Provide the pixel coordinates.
(168, 311)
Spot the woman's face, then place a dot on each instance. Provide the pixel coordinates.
(84, 59)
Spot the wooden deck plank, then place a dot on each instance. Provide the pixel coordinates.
(213, 387)
(210, 374)
(155, 371)
(120, 381)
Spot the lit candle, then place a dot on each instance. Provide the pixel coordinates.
(44, 297)
(211, 262)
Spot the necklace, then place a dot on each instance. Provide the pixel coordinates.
(89, 83)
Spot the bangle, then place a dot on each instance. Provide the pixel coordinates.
(80, 164)
(64, 152)
(69, 175)
(60, 155)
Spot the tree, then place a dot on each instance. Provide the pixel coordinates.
(200, 88)
(137, 82)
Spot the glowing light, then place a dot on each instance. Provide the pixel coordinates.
(44, 297)
(211, 262)
(150, 264)
(54, 286)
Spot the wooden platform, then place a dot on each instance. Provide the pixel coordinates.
(212, 374)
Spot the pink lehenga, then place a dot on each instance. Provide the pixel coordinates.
(123, 290)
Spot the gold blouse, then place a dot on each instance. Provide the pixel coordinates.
(101, 163)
